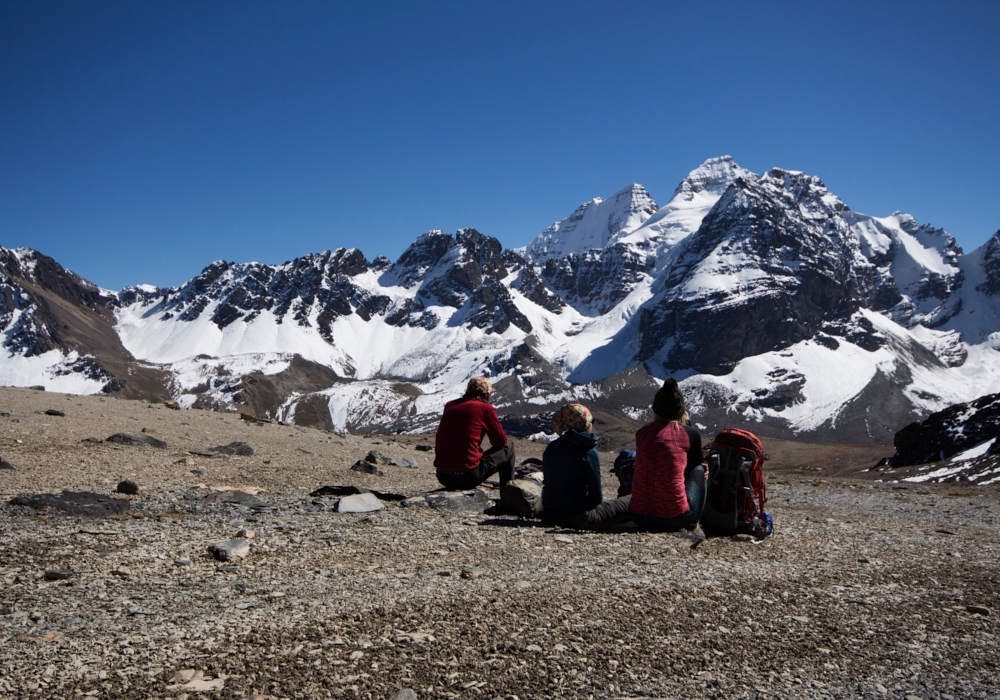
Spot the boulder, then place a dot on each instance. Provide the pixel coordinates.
(475, 500)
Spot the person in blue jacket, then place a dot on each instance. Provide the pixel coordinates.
(571, 489)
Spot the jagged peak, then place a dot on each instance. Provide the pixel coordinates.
(713, 176)
(595, 224)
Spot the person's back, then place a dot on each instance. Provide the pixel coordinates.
(668, 486)
(662, 452)
(571, 490)
(458, 453)
(572, 473)
(464, 424)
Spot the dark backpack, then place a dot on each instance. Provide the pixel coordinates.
(736, 491)
(624, 469)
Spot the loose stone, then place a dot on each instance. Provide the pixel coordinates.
(128, 486)
(57, 574)
(230, 549)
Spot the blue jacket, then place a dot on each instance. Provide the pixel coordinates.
(572, 471)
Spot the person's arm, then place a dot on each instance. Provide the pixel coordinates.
(498, 438)
(694, 452)
(594, 493)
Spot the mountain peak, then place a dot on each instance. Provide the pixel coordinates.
(713, 176)
(595, 224)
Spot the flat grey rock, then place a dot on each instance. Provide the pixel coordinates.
(137, 440)
(235, 498)
(227, 550)
(408, 463)
(74, 503)
(404, 694)
(458, 501)
(359, 503)
(238, 448)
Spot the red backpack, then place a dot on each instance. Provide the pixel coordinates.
(736, 491)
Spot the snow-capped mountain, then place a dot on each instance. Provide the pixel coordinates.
(779, 307)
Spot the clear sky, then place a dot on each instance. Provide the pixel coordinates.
(139, 141)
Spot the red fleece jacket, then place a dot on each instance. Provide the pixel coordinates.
(458, 445)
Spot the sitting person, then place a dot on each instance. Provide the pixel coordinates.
(571, 490)
(458, 454)
(669, 487)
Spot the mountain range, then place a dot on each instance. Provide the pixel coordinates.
(779, 308)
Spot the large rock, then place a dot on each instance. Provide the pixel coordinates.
(74, 503)
(137, 440)
(475, 500)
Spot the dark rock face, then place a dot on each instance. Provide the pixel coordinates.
(24, 275)
(322, 282)
(598, 278)
(771, 262)
(464, 271)
(948, 432)
(991, 266)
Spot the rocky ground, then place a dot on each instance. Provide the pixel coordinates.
(867, 589)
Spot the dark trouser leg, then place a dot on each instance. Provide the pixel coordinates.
(495, 459)
(577, 521)
(500, 459)
(607, 514)
(463, 480)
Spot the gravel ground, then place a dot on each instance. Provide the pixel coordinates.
(874, 590)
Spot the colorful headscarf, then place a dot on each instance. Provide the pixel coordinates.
(573, 416)
(479, 388)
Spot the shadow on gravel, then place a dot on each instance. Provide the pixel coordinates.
(518, 522)
(74, 503)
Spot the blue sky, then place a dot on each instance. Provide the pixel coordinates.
(141, 141)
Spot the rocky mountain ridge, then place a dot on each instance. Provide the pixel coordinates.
(779, 307)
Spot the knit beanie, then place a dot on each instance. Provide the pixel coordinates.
(669, 401)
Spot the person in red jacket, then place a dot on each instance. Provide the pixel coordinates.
(458, 454)
(669, 486)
